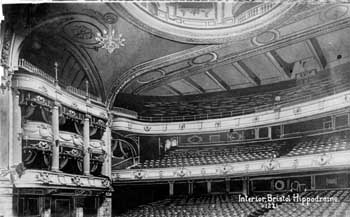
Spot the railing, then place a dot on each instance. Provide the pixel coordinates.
(79, 92)
(276, 105)
(24, 64)
(125, 111)
(254, 12)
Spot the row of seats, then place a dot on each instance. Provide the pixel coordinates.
(182, 157)
(316, 209)
(230, 206)
(232, 103)
(203, 206)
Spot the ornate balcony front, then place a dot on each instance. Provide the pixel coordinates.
(37, 141)
(98, 155)
(37, 178)
(71, 152)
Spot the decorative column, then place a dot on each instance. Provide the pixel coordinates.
(245, 189)
(105, 209)
(17, 129)
(78, 207)
(55, 135)
(227, 185)
(106, 167)
(333, 122)
(257, 136)
(269, 132)
(208, 187)
(86, 139)
(220, 12)
(7, 200)
(10, 121)
(45, 204)
(313, 182)
(171, 188)
(190, 187)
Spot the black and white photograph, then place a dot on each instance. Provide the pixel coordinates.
(178, 108)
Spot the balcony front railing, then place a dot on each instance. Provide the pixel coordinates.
(27, 66)
(291, 101)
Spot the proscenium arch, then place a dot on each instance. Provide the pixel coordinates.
(79, 52)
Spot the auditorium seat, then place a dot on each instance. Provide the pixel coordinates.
(315, 209)
(196, 206)
(321, 144)
(223, 154)
(225, 104)
(223, 205)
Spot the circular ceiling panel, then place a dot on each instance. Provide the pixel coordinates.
(204, 22)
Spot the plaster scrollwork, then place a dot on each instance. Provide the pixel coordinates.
(270, 165)
(322, 160)
(224, 170)
(147, 128)
(43, 89)
(44, 177)
(295, 163)
(297, 111)
(165, 127)
(347, 98)
(203, 172)
(36, 131)
(139, 174)
(129, 126)
(246, 168)
(182, 172)
(182, 126)
(96, 144)
(80, 192)
(116, 176)
(76, 180)
(42, 146)
(106, 183)
(6, 48)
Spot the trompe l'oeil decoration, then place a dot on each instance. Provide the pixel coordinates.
(109, 40)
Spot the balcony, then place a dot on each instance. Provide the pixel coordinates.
(71, 152)
(36, 145)
(98, 155)
(28, 67)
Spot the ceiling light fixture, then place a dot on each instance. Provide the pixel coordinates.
(109, 41)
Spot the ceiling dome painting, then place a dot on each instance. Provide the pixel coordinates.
(206, 22)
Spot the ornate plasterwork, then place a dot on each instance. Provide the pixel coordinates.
(218, 33)
(143, 68)
(76, 33)
(6, 47)
(48, 178)
(280, 165)
(234, 57)
(205, 15)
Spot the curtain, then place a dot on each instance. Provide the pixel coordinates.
(46, 115)
(94, 167)
(80, 165)
(47, 160)
(63, 162)
(78, 128)
(30, 157)
(27, 111)
(93, 131)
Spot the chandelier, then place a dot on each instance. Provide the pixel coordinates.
(109, 41)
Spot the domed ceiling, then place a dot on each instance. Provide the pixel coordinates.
(190, 21)
(226, 46)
